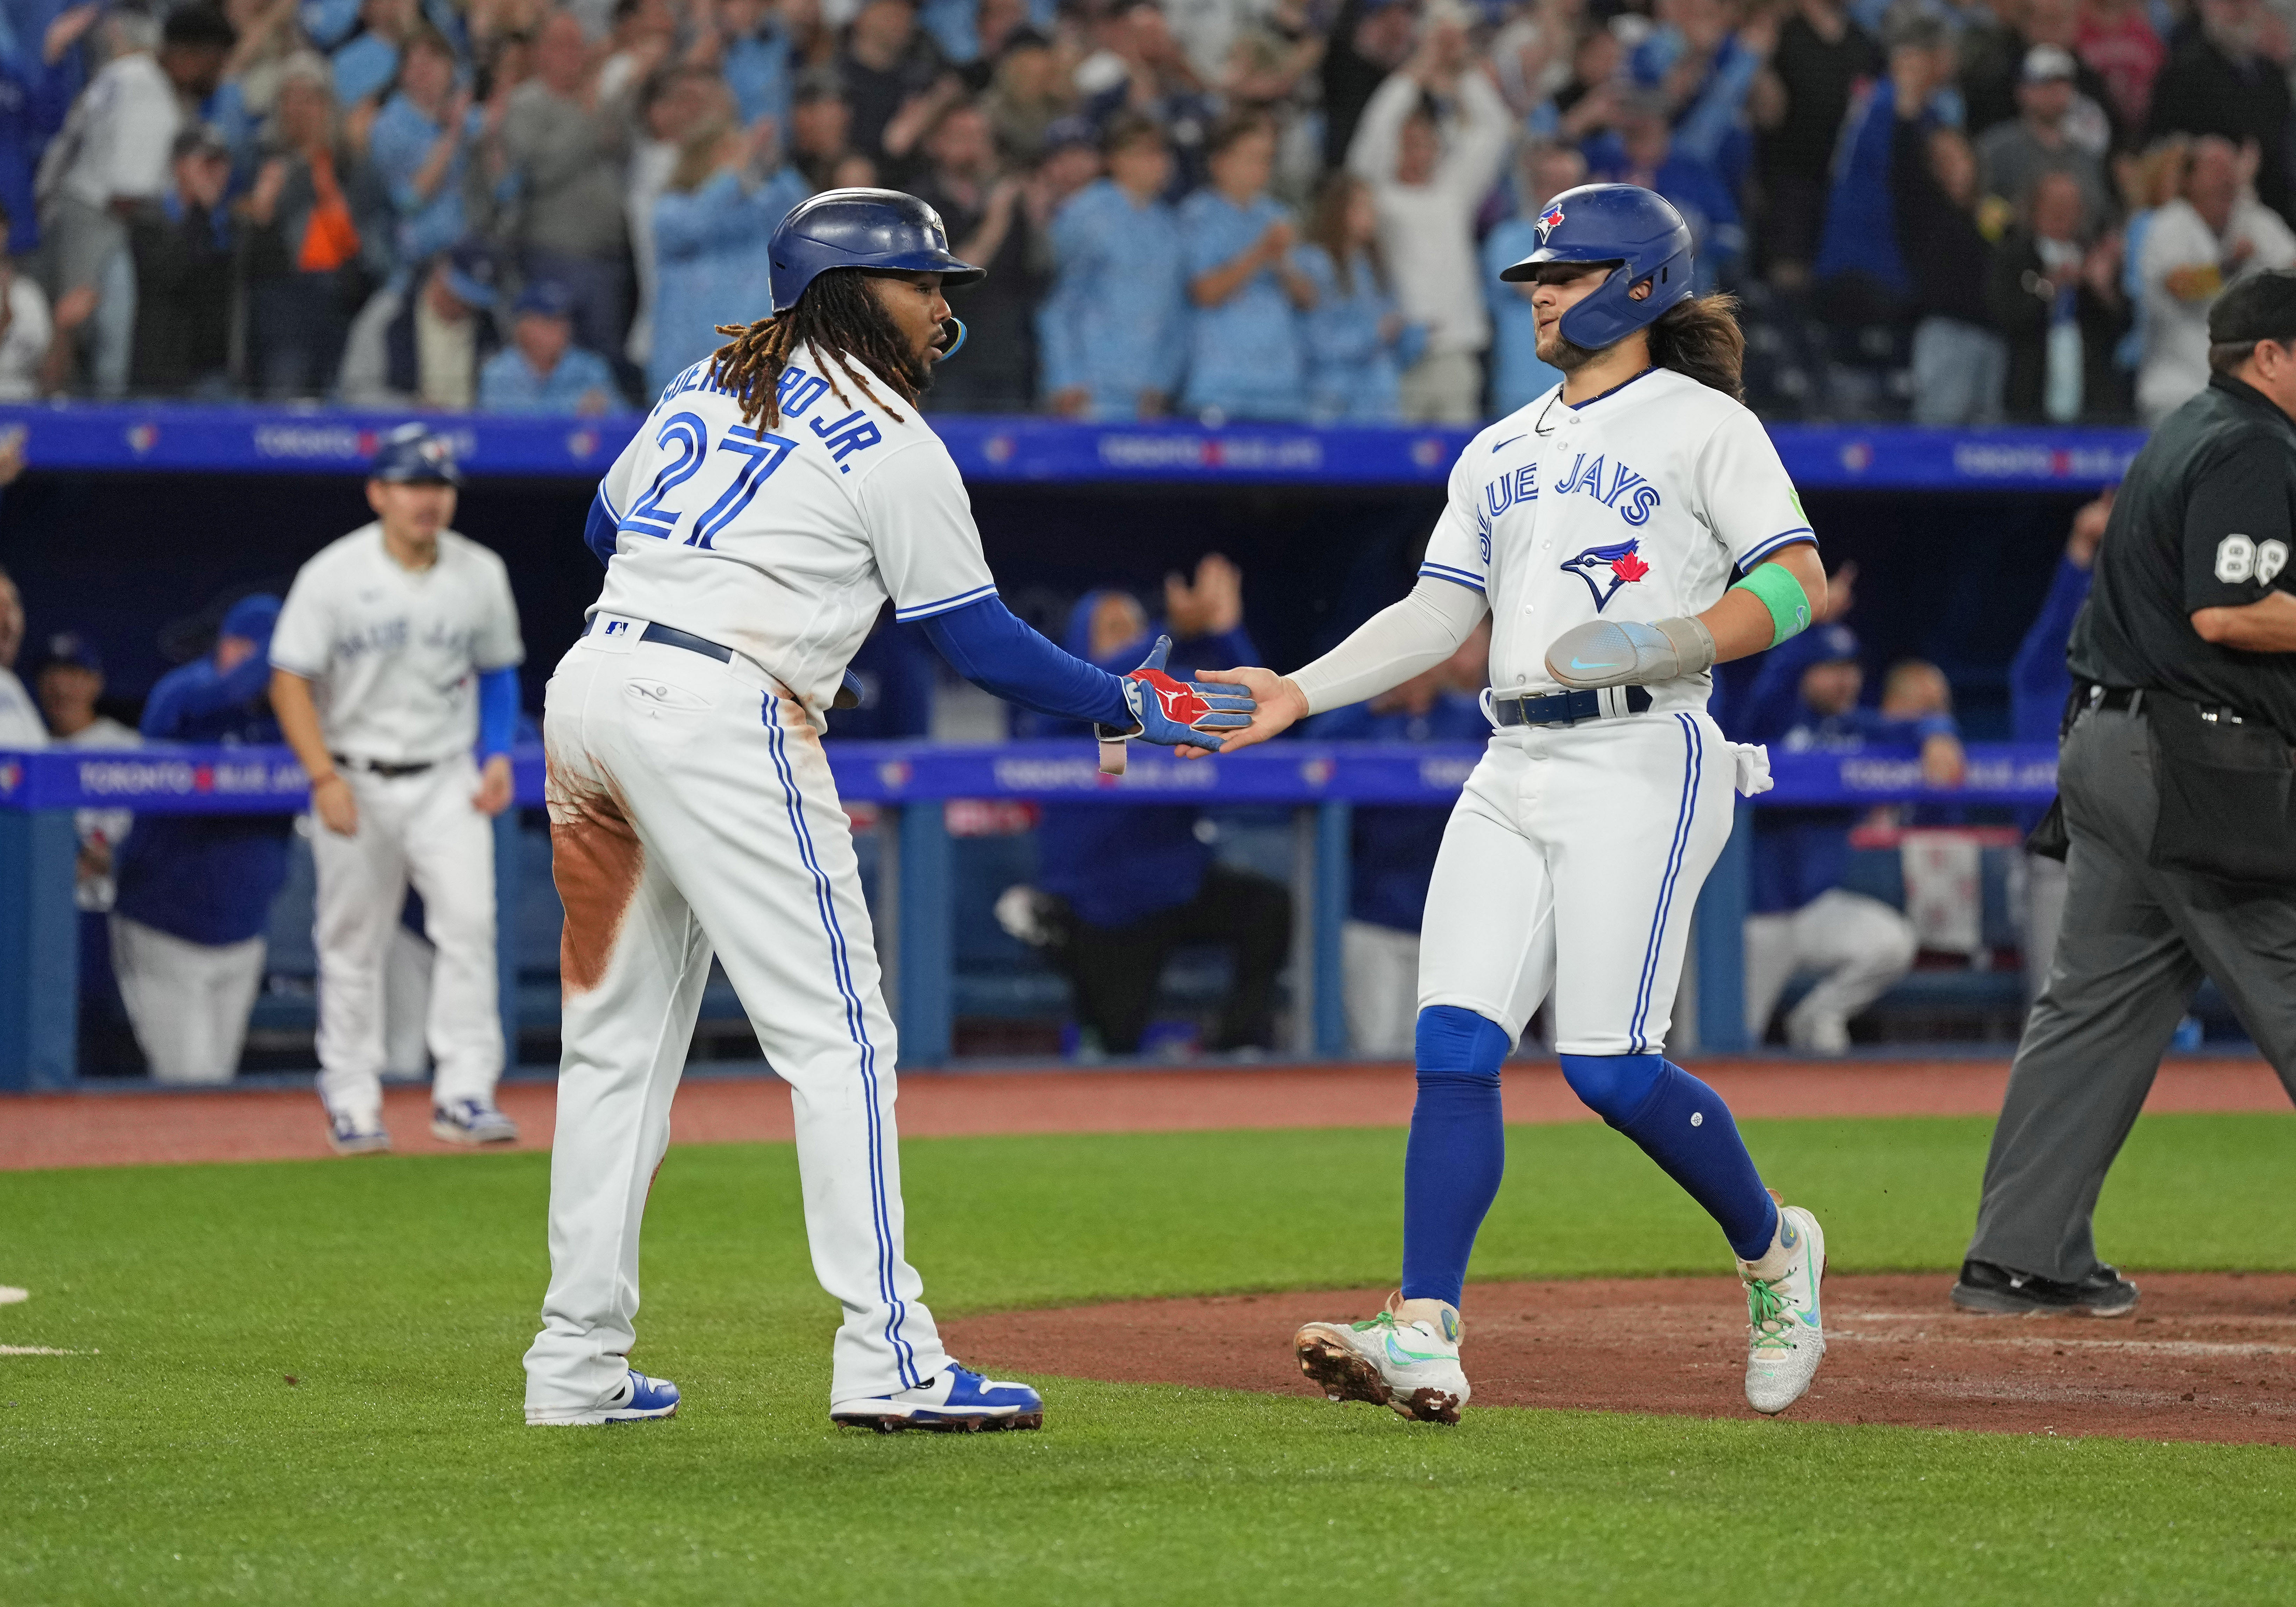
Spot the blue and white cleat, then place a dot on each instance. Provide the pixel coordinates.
(640, 1399)
(349, 1135)
(1785, 1322)
(469, 1122)
(956, 1400)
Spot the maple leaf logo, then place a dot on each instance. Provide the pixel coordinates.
(1629, 567)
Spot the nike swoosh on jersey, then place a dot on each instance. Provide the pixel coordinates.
(1510, 442)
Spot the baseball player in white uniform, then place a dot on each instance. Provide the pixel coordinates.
(1600, 528)
(22, 728)
(396, 657)
(778, 493)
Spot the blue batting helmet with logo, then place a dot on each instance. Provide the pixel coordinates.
(413, 455)
(881, 229)
(1637, 228)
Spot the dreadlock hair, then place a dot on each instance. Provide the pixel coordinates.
(1699, 336)
(841, 318)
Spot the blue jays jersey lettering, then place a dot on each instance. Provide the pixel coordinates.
(782, 540)
(393, 655)
(1636, 505)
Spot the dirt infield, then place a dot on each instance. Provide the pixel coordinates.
(2206, 1356)
(143, 1126)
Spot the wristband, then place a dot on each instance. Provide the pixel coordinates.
(1781, 594)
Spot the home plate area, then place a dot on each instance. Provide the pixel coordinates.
(2205, 1356)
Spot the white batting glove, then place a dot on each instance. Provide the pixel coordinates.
(1610, 653)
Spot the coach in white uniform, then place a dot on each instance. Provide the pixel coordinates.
(395, 655)
(778, 493)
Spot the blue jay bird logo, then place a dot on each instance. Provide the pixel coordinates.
(1619, 558)
(1548, 222)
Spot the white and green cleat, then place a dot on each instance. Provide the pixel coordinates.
(1409, 1365)
(1785, 1335)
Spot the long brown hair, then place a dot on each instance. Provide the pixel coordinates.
(1700, 336)
(841, 318)
(1328, 228)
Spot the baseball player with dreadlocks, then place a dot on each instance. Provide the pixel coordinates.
(1600, 528)
(777, 495)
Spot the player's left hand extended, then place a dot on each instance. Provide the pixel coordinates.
(1186, 715)
(494, 793)
(1614, 653)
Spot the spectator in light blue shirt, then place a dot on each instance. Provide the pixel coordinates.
(1114, 333)
(1357, 343)
(1517, 375)
(753, 53)
(542, 370)
(1247, 359)
(709, 232)
(420, 146)
(365, 67)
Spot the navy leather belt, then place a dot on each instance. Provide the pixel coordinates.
(1563, 708)
(375, 767)
(670, 636)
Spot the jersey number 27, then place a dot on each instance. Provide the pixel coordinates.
(763, 452)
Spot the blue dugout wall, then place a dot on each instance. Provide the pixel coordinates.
(133, 519)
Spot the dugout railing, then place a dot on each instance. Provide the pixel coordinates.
(909, 784)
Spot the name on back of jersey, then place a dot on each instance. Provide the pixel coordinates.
(682, 439)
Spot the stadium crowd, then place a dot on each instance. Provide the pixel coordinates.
(1283, 209)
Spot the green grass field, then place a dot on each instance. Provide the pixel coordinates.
(178, 1464)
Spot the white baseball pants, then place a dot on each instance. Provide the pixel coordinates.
(1572, 865)
(422, 829)
(1380, 967)
(188, 1002)
(1859, 946)
(691, 810)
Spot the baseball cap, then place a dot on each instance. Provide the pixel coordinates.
(468, 270)
(2047, 63)
(198, 139)
(2261, 307)
(251, 617)
(416, 455)
(69, 648)
(545, 298)
(1831, 644)
(1064, 132)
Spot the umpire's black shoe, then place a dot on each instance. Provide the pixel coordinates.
(1984, 1286)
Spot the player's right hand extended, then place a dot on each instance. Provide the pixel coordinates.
(1186, 715)
(333, 803)
(1277, 705)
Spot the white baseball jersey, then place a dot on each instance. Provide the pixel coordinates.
(21, 725)
(784, 542)
(393, 654)
(1638, 504)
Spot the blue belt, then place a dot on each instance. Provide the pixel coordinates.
(1562, 708)
(670, 636)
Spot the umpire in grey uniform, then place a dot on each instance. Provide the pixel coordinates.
(2174, 785)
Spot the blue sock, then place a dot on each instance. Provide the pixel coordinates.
(1457, 1149)
(1683, 1125)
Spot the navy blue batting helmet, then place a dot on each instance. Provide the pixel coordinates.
(881, 229)
(413, 455)
(1637, 229)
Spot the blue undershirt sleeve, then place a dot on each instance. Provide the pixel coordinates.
(599, 529)
(497, 709)
(985, 644)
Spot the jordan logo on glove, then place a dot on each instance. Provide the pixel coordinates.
(1181, 704)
